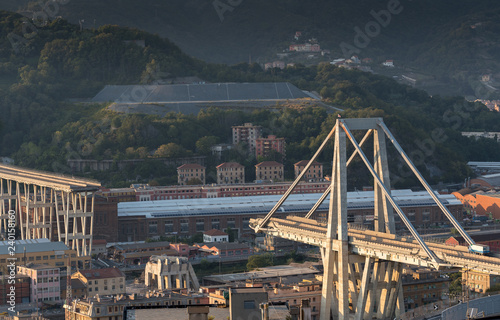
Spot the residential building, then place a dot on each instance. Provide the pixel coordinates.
(191, 173)
(219, 149)
(275, 64)
(230, 173)
(264, 146)
(388, 63)
(423, 286)
(99, 247)
(100, 307)
(45, 285)
(140, 252)
(247, 133)
(107, 281)
(215, 235)
(478, 282)
(269, 171)
(41, 251)
(314, 173)
(294, 294)
(306, 47)
(164, 272)
(117, 194)
(22, 289)
(244, 303)
(78, 288)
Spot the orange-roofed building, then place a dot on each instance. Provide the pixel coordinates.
(269, 170)
(215, 235)
(315, 172)
(230, 173)
(191, 172)
(483, 203)
(107, 281)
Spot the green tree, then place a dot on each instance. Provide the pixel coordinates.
(204, 145)
(170, 150)
(260, 261)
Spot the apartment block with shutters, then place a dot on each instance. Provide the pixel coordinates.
(269, 171)
(247, 133)
(230, 173)
(264, 146)
(191, 173)
(314, 173)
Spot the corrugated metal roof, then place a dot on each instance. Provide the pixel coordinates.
(263, 204)
(32, 245)
(199, 92)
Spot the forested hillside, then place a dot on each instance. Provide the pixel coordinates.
(42, 125)
(448, 43)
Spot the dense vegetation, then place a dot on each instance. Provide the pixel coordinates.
(452, 44)
(42, 126)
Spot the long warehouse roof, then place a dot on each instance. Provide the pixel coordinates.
(263, 204)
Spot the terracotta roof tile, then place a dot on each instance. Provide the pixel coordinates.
(269, 164)
(215, 232)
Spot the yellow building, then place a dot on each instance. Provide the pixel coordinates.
(40, 251)
(269, 170)
(478, 282)
(107, 281)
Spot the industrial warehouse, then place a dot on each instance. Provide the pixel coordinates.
(148, 219)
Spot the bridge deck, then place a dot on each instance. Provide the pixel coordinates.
(47, 179)
(382, 245)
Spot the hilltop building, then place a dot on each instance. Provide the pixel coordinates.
(247, 133)
(264, 146)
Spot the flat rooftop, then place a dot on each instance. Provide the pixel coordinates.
(264, 273)
(32, 245)
(199, 92)
(295, 203)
